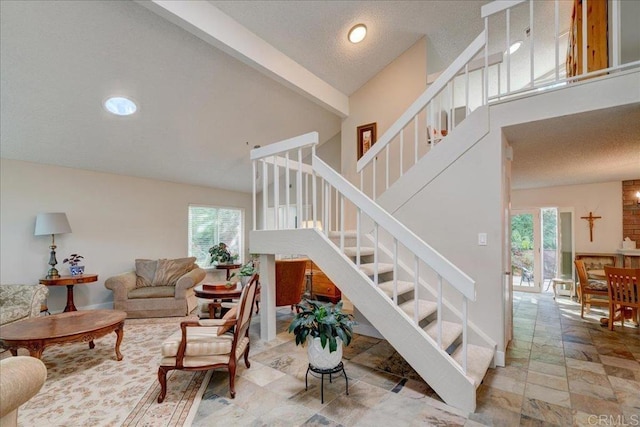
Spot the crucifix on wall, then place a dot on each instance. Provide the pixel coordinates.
(591, 219)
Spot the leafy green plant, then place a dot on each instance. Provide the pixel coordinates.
(220, 254)
(247, 270)
(322, 320)
(73, 259)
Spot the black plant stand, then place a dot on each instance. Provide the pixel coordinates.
(323, 372)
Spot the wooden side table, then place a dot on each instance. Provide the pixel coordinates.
(228, 267)
(70, 282)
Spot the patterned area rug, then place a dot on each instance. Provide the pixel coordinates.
(91, 388)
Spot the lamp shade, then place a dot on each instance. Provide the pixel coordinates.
(52, 223)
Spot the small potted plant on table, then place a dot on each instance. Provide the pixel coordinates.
(324, 328)
(220, 254)
(246, 272)
(74, 268)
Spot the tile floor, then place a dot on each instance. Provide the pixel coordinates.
(561, 370)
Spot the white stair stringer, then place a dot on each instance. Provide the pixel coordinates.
(433, 364)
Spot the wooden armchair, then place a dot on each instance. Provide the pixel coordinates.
(589, 288)
(623, 292)
(210, 343)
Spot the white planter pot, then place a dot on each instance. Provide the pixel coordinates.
(321, 357)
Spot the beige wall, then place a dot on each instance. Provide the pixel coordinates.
(383, 99)
(114, 219)
(603, 199)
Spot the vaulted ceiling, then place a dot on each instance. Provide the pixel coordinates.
(201, 109)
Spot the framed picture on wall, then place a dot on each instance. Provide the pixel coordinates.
(366, 138)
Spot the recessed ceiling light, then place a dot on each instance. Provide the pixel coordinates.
(120, 106)
(514, 46)
(357, 33)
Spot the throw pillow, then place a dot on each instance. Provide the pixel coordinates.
(170, 270)
(145, 272)
(231, 314)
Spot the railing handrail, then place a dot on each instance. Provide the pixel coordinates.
(300, 141)
(498, 6)
(434, 89)
(457, 278)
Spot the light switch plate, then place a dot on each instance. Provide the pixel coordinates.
(482, 239)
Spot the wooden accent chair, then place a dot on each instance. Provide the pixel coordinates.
(290, 282)
(590, 287)
(623, 292)
(206, 344)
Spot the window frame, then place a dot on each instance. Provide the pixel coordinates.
(241, 237)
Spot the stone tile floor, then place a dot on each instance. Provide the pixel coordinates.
(560, 370)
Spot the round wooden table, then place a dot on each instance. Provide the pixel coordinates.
(39, 332)
(217, 292)
(70, 282)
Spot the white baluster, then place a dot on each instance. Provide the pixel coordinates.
(341, 223)
(386, 150)
(615, 32)
(299, 213)
(395, 271)
(375, 254)
(276, 192)
(464, 334)
(253, 188)
(401, 152)
(531, 42)
(556, 8)
(439, 314)
(265, 193)
(485, 70)
(585, 41)
(508, 51)
(358, 215)
(416, 294)
(287, 187)
(375, 162)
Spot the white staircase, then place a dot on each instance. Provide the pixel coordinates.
(417, 299)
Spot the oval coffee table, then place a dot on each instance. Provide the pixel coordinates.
(75, 326)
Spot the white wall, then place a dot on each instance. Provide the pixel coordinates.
(115, 219)
(603, 199)
(382, 100)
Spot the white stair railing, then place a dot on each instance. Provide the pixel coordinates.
(473, 80)
(335, 198)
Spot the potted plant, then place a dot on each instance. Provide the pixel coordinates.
(220, 254)
(246, 271)
(74, 268)
(324, 328)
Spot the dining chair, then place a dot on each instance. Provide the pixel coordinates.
(589, 288)
(201, 345)
(623, 292)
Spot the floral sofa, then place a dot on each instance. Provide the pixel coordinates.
(157, 288)
(19, 302)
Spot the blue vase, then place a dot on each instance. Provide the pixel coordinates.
(76, 270)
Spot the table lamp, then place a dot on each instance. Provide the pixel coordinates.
(52, 223)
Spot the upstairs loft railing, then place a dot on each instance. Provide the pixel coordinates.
(486, 71)
(316, 196)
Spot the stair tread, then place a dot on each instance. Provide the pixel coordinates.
(368, 268)
(450, 332)
(352, 251)
(478, 361)
(425, 308)
(350, 234)
(403, 287)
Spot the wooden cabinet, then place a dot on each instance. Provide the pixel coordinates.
(597, 43)
(322, 288)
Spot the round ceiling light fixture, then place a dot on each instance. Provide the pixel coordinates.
(120, 106)
(357, 33)
(514, 46)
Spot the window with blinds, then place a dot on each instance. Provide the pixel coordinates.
(210, 225)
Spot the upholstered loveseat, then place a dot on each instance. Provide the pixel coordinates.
(19, 302)
(157, 288)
